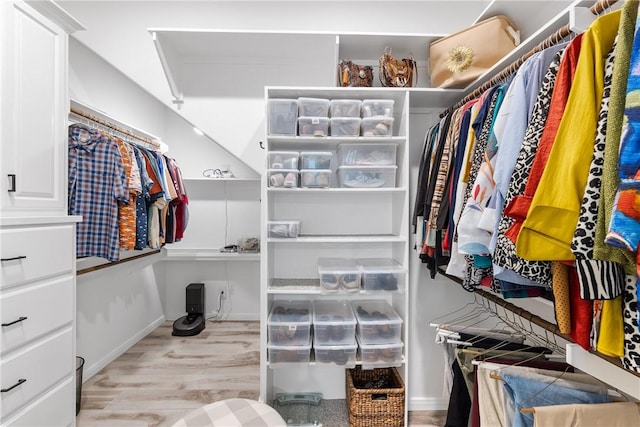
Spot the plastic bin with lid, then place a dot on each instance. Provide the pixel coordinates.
(315, 159)
(283, 116)
(289, 323)
(378, 323)
(376, 126)
(345, 126)
(281, 356)
(382, 275)
(377, 107)
(333, 323)
(282, 160)
(380, 355)
(367, 176)
(341, 355)
(366, 154)
(315, 178)
(313, 126)
(283, 178)
(313, 107)
(283, 229)
(345, 107)
(338, 274)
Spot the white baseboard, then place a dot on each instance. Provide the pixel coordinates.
(90, 371)
(428, 404)
(232, 316)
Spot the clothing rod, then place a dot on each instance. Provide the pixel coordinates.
(105, 123)
(555, 38)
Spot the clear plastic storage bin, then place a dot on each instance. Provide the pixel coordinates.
(382, 274)
(313, 107)
(313, 126)
(282, 160)
(283, 116)
(380, 355)
(315, 159)
(345, 126)
(363, 154)
(378, 323)
(376, 126)
(377, 107)
(338, 273)
(333, 323)
(281, 356)
(283, 229)
(315, 178)
(341, 355)
(289, 323)
(283, 178)
(367, 176)
(345, 107)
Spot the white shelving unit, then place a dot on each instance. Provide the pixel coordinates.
(334, 222)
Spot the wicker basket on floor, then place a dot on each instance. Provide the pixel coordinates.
(375, 407)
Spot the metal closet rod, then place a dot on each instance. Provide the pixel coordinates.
(555, 38)
(105, 123)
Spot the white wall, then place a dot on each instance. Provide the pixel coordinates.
(116, 307)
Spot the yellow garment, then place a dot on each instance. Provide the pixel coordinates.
(547, 231)
(618, 414)
(611, 337)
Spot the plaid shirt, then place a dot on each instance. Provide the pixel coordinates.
(96, 183)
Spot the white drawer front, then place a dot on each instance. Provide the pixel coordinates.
(42, 366)
(32, 253)
(57, 408)
(46, 306)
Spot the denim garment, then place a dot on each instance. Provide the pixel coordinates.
(526, 393)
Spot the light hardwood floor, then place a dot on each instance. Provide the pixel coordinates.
(162, 378)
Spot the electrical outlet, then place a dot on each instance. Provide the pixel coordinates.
(212, 291)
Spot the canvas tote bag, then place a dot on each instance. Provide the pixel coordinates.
(458, 59)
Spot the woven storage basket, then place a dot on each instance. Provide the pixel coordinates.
(375, 407)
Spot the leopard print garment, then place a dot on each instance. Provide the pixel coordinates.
(504, 254)
(473, 275)
(631, 358)
(598, 279)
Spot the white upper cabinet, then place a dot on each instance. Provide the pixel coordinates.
(33, 111)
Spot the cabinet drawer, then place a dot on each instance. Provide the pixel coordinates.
(56, 408)
(46, 307)
(35, 252)
(42, 365)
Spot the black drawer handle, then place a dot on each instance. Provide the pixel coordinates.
(15, 321)
(20, 381)
(14, 258)
(12, 183)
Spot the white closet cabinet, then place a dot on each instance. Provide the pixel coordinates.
(33, 108)
(37, 251)
(334, 222)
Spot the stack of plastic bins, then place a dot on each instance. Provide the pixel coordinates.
(289, 333)
(315, 169)
(339, 274)
(345, 117)
(313, 117)
(379, 334)
(334, 333)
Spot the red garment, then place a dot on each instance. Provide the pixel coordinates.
(581, 312)
(519, 205)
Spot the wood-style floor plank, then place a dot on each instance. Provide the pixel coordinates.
(162, 378)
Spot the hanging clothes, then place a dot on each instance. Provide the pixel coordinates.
(548, 229)
(97, 183)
